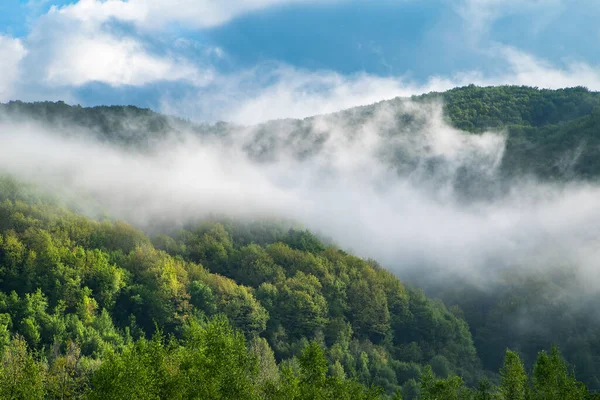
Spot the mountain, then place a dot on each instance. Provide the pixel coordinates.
(77, 290)
(552, 134)
(227, 307)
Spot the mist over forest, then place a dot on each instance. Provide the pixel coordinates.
(393, 249)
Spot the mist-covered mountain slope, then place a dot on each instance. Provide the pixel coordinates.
(550, 133)
(76, 290)
(500, 225)
(125, 125)
(225, 309)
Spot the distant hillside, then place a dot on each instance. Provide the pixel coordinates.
(552, 134)
(475, 109)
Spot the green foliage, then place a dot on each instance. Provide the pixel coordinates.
(140, 371)
(216, 363)
(89, 296)
(21, 377)
(552, 379)
(432, 388)
(311, 321)
(514, 379)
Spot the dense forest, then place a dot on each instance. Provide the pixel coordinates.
(92, 309)
(232, 308)
(551, 133)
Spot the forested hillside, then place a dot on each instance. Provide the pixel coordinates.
(77, 291)
(93, 309)
(223, 307)
(552, 134)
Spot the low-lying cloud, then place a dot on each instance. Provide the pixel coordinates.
(275, 90)
(385, 182)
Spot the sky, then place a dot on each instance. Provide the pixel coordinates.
(248, 61)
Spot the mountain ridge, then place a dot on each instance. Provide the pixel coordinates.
(549, 126)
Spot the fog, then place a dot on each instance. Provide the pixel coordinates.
(392, 182)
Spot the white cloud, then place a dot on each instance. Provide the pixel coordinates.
(12, 52)
(158, 13)
(282, 91)
(115, 61)
(68, 49)
(526, 69)
(277, 91)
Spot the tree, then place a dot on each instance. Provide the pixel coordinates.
(552, 379)
(313, 365)
(140, 371)
(513, 385)
(215, 363)
(21, 376)
(484, 390)
(268, 372)
(441, 389)
(65, 380)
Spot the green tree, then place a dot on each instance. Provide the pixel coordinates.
(21, 376)
(514, 382)
(552, 379)
(432, 388)
(140, 371)
(215, 363)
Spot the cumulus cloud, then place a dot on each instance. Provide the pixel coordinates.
(116, 62)
(66, 49)
(12, 51)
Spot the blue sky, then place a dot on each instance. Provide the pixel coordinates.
(252, 60)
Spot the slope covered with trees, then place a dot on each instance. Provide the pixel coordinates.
(83, 292)
(93, 309)
(254, 309)
(551, 134)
